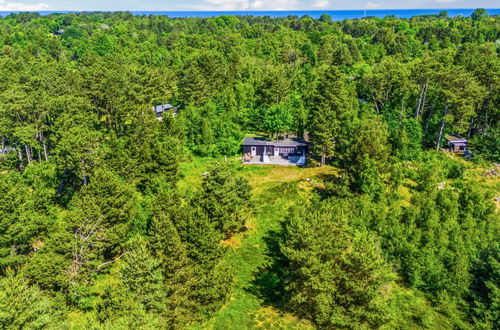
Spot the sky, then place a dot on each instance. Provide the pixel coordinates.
(221, 5)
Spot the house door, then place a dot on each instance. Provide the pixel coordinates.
(254, 151)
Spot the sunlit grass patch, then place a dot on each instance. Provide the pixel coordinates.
(275, 190)
(270, 318)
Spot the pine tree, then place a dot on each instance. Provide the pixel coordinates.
(485, 290)
(26, 212)
(368, 154)
(142, 275)
(100, 218)
(331, 108)
(199, 233)
(25, 307)
(331, 275)
(178, 271)
(187, 243)
(224, 197)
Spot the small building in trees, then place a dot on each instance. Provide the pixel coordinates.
(58, 32)
(258, 150)
(5, 147)
(164, 108)
(456, 143)
(4, 150)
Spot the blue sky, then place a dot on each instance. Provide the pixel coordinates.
(170, 5)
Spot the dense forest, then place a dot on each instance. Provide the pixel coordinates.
(110, 218)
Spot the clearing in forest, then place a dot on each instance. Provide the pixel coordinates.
(275, 189)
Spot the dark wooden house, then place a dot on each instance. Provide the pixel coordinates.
(164, 108)
(456, 143)
(280, 152)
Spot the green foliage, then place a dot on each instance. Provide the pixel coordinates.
(332, 274)
(438, 238)
(410, 309)
(368, 155)
(187, 299)
(487, 146)
(331, 110)
(108, 220)
(48, 266)
(25, 306)
(485, 289)
(149, 156)
(224, 197)
(478, 14)
(142, 276)
(100, 219)
(27, 212)
(277, 119)
(406, 139)
(209, 132)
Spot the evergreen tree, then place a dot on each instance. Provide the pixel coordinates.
(142, 275)
(178, 272)
(478, 14)
(95, 212)
(27, 213)
(199, 233)
(332, 274)
(486, 146)
(277, 119)
(25, 307)
(368, 154)
(331, 109)
(101, 218)
(51, 260)
(485, 290)
(224, 197)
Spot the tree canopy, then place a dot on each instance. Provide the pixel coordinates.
(113, 218)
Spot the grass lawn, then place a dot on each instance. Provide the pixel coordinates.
(275, 189)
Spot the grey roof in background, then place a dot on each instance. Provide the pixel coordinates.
(163, 107)
(259, 141)
(455, 139)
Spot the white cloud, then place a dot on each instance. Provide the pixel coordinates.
(256, 5)
(17, 6)
(223, 5)
(323, 4)
(228, 4)
(372, 5)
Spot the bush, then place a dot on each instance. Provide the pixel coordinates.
(455, 170)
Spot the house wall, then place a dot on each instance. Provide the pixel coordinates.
(455, 147)
(269, 149)
(260, 149)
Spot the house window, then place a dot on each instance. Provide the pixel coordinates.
(285, 151)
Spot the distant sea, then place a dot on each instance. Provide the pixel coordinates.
(335, 14)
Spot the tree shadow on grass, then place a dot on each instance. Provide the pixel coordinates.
(333, 185)
(268, 279)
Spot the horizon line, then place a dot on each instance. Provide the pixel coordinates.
(229, 11)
